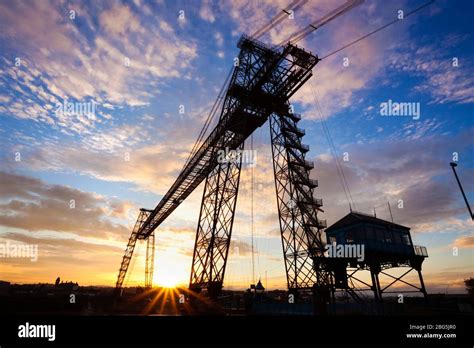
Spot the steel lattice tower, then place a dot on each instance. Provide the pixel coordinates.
(261, 85)
(150, 260)
(150, 256)
(297, 208)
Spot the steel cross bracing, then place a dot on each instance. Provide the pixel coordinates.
(150, 260)
(263, 80)
(220, 194)
(377, 265)
(215, 226)
(142, 216)
(261, 85)
(299, 225)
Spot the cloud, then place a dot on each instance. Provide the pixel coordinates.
(119, 20)
(219, 39)
(465, 241)
(83, 238)
(442, 78)
(446, 281)
(240, 248)
(116, 63)
(82, 261)
(335, 83)
(121, 138)
(85, 59)
(58, 247)
(121, 209)
(148, 154)
(151, 168)
(411, 170)
(32, 205)
(206, 13)
(251, 15)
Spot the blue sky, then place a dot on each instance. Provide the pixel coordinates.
(139, 61)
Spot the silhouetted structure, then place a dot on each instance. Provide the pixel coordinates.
(150, 252)
(259, 89)
(386, 245)
(453, 166)
(258, 288)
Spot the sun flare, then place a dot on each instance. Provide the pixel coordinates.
(168, 280)
(170, 274)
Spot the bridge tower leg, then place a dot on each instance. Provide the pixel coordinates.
(150, 260)
(215, 227)
(297, 208)
(142, 216)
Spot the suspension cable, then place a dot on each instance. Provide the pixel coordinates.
(340, 169)
(218, 102)
(378, 29)
(277, 19)
(302, 33)
(251, 213)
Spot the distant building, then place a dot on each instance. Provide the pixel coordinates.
(257, 288)
(68, 286)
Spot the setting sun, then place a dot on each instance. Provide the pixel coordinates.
(170, 272)
(167, 279)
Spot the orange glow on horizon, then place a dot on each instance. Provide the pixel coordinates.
(170, 270)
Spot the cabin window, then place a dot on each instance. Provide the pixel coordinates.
(388, 236)
(405, 239)
(396, 238)
(332, 240)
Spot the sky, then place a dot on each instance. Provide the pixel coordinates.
(72, 182)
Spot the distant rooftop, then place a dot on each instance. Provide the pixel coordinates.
(357, 217)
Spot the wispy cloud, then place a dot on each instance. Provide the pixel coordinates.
(405, 170)
(139, 62)
(108, 63)
(445, 77)
(465, 242)
(206, 12)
